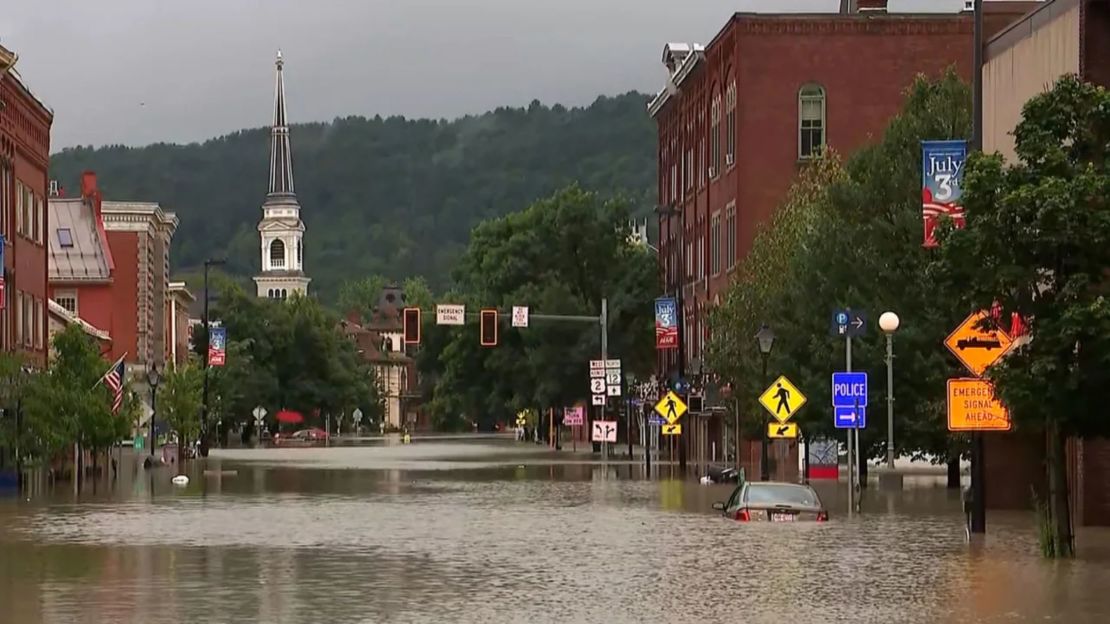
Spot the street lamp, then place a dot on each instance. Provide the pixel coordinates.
(766, 339)
(203, 451)
(888, 322)
(152, 378)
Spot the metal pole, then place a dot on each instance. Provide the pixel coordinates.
(203, 450)
(890, 401)
(851, 459)
(764, 467)
(978, 473)
(153, 413)
(736, 418)
(604, 356)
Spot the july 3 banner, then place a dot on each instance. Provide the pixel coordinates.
(217, 346)
(666, 323)
(942, 172)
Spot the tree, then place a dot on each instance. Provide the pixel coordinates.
(13, 382)
(562, 255)
(361, 295)
(849, 235)
(1037, 242)
(179, 401)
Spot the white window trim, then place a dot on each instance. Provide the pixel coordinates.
(823, 98)
(60, 295)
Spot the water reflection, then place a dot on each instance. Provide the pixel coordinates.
(500, 533)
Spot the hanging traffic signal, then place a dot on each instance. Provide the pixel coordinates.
(411, 320)
(489, 328)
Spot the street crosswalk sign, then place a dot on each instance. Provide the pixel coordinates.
(671, 407)
(783, 399)
(672, 429)
(782, 430)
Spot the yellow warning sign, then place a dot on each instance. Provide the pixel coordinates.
(671, 407)
(783, 399)
(972, 406)
(977, 348)
(671, 429)
(782, 430)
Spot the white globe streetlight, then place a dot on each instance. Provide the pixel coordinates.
(888, 322)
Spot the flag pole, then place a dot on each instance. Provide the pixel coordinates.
(110, 369)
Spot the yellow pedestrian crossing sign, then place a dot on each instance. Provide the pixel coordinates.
(671, 407)
(783, 399)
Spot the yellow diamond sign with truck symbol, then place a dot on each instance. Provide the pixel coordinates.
(783, 399)
(671, 407)
(977, 347)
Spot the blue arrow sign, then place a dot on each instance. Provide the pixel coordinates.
(850, 417)
(847, 323)
(849, 389)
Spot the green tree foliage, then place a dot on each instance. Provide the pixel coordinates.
(850, 236)
(387, 196)
(179, 399)
(13, 383)
(361, 295)
(69, 403)
(284, 355)
(560, 256)
(1037, 242)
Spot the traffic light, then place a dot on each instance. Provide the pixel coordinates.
(411, 320)
(489, 328)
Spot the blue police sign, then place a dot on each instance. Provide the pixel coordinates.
(850, 417)
(849, 389)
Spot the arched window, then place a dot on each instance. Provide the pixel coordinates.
(811, 121)
(270, 294)
(284, 295)
(277, 254)
(300, 262)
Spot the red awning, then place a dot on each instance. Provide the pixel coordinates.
(289, 416)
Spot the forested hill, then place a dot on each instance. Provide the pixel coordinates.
(393, 196)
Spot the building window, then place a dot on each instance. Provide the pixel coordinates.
(715, 244)
(811, 121)
(67, 299)
(5, 194)
(65, 237)
(730, 234)
(28, 211)
(28, 320)
(38, 322)
(715, 138)
(18, 317)
(18, 208)
(300, 262)
(730, 124)
(277, 254)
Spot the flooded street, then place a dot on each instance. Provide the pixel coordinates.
(494, 531)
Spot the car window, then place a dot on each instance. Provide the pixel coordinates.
(770, 494)
(734, 500)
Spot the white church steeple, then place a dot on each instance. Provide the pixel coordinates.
(281, 230)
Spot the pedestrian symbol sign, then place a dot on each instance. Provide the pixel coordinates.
(977, 348)
(671, 407)
(782, 430)
(782, 399)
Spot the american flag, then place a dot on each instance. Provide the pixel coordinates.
(114, 380)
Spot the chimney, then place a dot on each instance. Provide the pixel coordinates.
(88, 183)
(55, 190)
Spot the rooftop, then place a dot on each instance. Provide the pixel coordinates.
(77, 251)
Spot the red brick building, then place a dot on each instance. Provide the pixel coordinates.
(741, 116)
(24, 159)
(109, 266)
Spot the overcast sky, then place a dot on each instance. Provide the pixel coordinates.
(141, 71)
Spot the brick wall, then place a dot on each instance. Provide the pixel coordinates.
(1014, 466)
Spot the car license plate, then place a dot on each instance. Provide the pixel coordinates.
(782, 517)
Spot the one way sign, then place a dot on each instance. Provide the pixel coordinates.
(850, 417)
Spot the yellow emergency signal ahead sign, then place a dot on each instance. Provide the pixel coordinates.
(972, 406)
(783, 399)
(977, 348)
(671, 407)
(782, 430)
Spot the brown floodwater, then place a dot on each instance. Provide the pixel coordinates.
(495, 531)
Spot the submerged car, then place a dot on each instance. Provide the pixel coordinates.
(773, 501)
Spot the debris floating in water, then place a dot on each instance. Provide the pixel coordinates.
(181, 480)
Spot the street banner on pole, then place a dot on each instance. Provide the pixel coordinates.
(666, 323)
(217, 346)
(942, 172)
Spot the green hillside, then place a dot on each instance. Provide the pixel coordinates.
(392, 196)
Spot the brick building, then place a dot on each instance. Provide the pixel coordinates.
(109, 266)
(1060, 37)
(739, 117)
(25, 123)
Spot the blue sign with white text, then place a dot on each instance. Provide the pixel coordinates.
(656, 420)
(850, 417)
(849, 389)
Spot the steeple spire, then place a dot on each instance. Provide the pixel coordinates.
(281, 154)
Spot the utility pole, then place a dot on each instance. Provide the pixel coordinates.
(978, 474)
